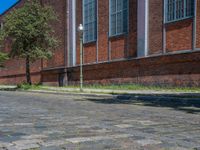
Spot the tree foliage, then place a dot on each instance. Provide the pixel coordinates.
(32, 36)
(3, 58)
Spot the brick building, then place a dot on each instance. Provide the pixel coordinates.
(125, 41)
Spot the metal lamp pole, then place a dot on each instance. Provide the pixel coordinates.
(80, 29)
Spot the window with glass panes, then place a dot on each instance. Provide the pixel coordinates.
(89, 20)
(118, 17)
(178, 10)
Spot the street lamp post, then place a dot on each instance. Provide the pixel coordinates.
(80, 29)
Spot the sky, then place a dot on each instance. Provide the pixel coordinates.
(6, 4)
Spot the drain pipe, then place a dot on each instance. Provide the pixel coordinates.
(66, 33)
(194, 25)
(65, 78)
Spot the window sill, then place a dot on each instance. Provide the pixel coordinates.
(89, 43)
(171, 22)
(118, 36)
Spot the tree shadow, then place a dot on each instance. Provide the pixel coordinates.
(183, 102)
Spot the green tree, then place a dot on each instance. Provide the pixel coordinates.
(3, 58)
(32, 36)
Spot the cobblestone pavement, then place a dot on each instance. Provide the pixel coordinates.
(72, 122)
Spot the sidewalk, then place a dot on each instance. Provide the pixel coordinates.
(8, 87)
(89, 91)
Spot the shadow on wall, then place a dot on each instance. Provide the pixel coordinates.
(186, 103)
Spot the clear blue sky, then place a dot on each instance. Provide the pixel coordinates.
(6, 4)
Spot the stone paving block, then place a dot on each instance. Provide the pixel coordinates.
(130, 120)
(148, 122)
(85, 126)
(123, 126)
(100, 130)
(178, 148)
(81, 117)
(24, 144)
(3, 145)
(54, 143)
(23, 124)
(54, 132)
(146, 142)
(97, 138)
(6, 125)
(59, 121)
(34, 136)
(47, 118)
(24, 147)
(15, 124)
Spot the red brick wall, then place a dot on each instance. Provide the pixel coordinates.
(103, 30)
(178, 69)
(125, 46)
(179, 35)
(78, 21)
(14, 70)
(59, 27)
(17, 66)
(132, 34)
(90, 53)
(20, 78)
(119, 47)
(198, 23)
(155, 26)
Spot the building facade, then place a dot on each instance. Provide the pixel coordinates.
(125, 41)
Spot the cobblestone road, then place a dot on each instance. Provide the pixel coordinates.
(68, 122)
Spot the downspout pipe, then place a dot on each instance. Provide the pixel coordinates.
(164, 28)
(65, 34)
(65, 78)
(194, 35)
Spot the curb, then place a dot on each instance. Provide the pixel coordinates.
(68, 93)
(103, 92)
(118, 95)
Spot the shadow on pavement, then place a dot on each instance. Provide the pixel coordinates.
(9, 89)
(186, 103)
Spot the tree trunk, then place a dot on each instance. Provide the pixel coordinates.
(28, 75)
